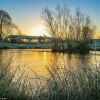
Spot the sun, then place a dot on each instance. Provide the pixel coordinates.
(40, 31)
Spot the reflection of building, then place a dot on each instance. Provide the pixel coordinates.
(95, 44)
(28, 39)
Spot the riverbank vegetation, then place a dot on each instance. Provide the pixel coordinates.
(81, 82)
(71, 32)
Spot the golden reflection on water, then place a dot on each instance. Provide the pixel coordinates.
(36, 62)
(44, 56)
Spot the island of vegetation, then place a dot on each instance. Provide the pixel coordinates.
(68, 32)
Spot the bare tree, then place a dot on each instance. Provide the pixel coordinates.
(87, 34)
(5, 21)
(84, 30)
(50, 22)
(65, 27)
(6, 24)
(58, 23)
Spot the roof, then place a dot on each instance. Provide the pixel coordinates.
(27, 37)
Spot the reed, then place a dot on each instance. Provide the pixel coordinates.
(82, 82)
(22, 87)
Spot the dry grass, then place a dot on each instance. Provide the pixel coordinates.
(64, 83)
(81, 83)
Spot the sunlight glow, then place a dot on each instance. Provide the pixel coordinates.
(40, 31)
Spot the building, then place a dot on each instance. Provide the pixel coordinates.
(28, 39)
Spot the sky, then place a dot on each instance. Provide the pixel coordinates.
(27, 13)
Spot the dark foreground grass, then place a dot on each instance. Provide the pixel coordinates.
(82, 82)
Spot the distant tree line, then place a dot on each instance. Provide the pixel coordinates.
(7, 26)
(71, 32)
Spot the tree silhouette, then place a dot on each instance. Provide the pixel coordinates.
(6, 24)
(66, 28)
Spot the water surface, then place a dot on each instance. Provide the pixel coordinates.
(31, 61)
